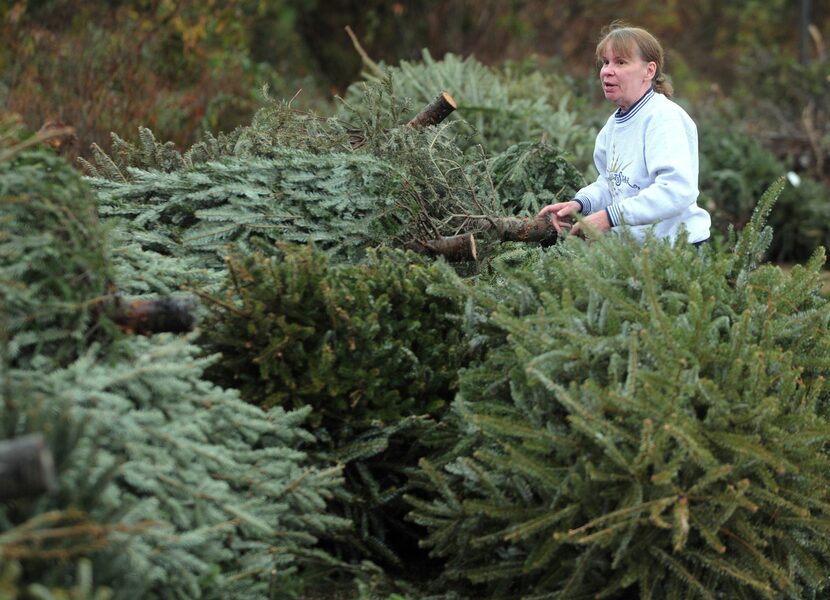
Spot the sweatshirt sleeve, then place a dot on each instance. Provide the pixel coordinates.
(596, 196)
(671, 156)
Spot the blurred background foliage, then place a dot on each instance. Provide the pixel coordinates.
(181, 67)
(755, 76)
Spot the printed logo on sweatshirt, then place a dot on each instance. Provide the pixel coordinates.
(616, 177)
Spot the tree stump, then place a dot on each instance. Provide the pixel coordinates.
(147, 316)
(27, 468)
(434, 112)
(458, 248)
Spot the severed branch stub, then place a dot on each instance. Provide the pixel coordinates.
(147, 316)
(434, 112)
(27, 468)
(458, 248)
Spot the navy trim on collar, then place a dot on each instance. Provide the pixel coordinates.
(622, 117)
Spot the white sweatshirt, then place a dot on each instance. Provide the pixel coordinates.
(647, 158)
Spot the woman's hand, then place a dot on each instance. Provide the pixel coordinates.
(593, 225)
(561, 214)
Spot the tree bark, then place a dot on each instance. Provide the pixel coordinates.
(27, 468)
(523, 229)
(148, 316)
(434, 112)
(458, 248)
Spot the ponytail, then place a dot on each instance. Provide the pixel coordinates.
(662, 85)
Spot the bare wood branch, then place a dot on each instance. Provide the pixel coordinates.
(372, 65)
(458, 248)
(423, 221)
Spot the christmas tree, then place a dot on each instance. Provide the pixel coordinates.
(649, 421)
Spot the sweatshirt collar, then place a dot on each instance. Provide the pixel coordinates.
(622, 117)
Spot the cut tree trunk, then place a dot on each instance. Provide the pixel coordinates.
(458, 248)
(434, 112)
(148, 316)
(27, 468)
(523, 229)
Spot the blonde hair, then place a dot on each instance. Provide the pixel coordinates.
(628, 41)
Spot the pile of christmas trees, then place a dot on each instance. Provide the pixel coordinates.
(166, 484)
(579, 419)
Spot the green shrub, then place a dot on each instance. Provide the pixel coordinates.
(367, 340)
(367, 346)
(648, 421)
(528, 176)
(179, 69)
(735, 169)
(784, 97)
(53, 264)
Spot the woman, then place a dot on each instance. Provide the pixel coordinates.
(646, 153)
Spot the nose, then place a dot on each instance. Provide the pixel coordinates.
(606, 69)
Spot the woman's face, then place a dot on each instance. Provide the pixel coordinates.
(625, 78)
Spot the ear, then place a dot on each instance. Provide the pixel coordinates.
(651, 70)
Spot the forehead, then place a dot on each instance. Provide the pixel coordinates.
(617, 46)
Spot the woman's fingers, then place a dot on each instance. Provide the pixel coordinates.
(548, 209)
(561, 215)
(551, 209)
